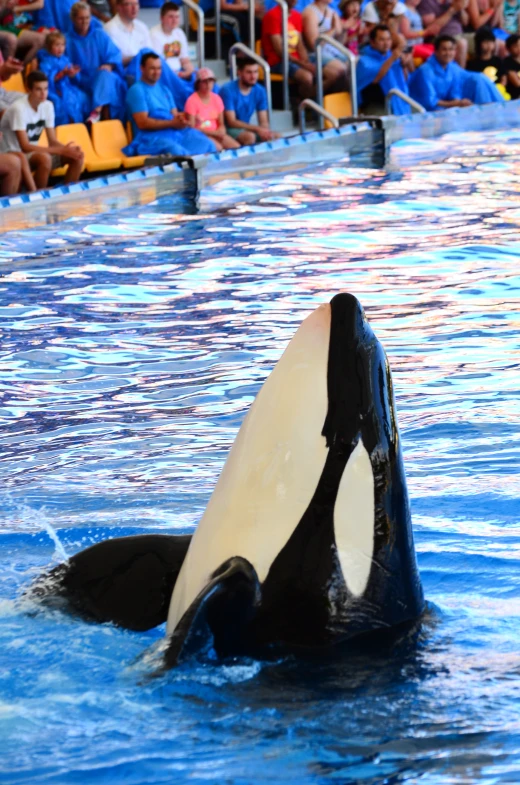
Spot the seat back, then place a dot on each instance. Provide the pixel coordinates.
(109, 138)
(77, 133)
(15, 82)
(339, 105)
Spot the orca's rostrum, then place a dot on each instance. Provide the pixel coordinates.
(306, 540)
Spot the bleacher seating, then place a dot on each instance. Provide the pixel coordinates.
(108, 139)
(339, 105)
(15, 82)
(77, 133)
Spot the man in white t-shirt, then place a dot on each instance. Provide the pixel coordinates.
(22, 125)
(127, 32)
(169, 41)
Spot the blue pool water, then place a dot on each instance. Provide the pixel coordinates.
(131, 348)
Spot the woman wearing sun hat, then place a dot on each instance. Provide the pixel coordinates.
(204, 110)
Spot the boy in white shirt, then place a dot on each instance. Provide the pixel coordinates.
(22, 125)
(170, 41)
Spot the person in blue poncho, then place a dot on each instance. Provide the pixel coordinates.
(157, 125)
(71, 104)
(381, 68)
(440, 83)
(100, 62)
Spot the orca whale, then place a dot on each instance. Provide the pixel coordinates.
(306, 540)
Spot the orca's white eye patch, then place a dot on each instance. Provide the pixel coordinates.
(354, 520)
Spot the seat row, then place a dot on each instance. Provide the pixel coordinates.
(103, 151)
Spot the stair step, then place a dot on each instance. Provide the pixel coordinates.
(282, 120)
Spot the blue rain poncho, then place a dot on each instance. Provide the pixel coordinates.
(71, 104)
(179, 88)
(367, 69)
(433, 82)
(90, 51)
(158, 102)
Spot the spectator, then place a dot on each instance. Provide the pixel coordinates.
(169, 40)
(486, 62)
(8, 68)
(301, 70)
(128, 33)
(440, 83)
(510, 17)
(353, 28)
(242, 98)
(103, 10)
(205, 111)
(239, 11)
(22, 125)
(54, 14)
(100, 62)
(319, 18)
(385, 12)
(512, 65)
(159, 128)
(17, 37)
(71, 104)
(445, 19)
(412, 29)
(381, 68)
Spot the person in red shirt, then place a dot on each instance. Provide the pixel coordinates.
(301, 70)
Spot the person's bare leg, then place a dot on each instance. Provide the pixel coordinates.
(334, 77)
(27, 178)
(246, 138)
(29, 43)
(75, 167)
(229, 143)
(8, 44)
(40, 164)
(304, 82)
(10, 174)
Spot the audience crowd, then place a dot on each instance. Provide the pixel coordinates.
(96, 60)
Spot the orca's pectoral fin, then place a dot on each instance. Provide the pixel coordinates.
(127, 580)
(219, 616)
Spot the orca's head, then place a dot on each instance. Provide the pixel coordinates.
(349, 566)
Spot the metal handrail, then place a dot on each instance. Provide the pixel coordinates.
(326, 39)
(195, 7)
(416, 106)
(285, 51)
(320, 111)
(251, 24)
(218, 31)
(261, 62)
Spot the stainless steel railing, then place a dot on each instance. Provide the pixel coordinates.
(416, 106)
(320, 111)
(261, 62)
(285, 51)
(195, 7)
(327, 39)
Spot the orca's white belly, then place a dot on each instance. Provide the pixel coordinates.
(272, 469)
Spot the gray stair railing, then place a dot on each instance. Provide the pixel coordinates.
(320, 111)
(285, 51)
(351, 57)
(261, 62)
(415, 105)
(195, 7)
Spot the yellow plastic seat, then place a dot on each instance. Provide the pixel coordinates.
(15, 82)
(339, 105)
(194, 22)
(109, 138)
(78, 134)
(261, 75)
(43, 141)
